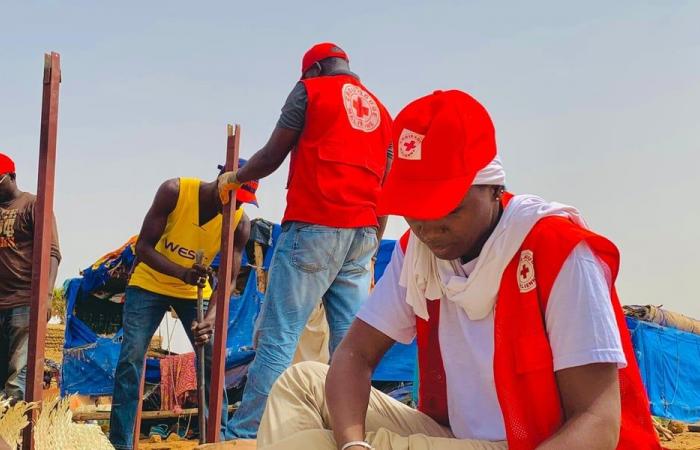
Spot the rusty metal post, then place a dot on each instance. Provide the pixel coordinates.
(43, 228)
(223, 291)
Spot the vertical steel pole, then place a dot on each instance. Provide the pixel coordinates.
(43, 229)
(223, 291)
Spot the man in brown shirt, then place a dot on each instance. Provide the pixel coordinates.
(16, 246)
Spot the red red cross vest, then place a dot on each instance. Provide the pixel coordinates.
(523, 365)
(337, 167)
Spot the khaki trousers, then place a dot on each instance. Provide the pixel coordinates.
(296, 418)
(315, 339)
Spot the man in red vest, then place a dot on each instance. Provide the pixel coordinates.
(521, 340)
(339, 137)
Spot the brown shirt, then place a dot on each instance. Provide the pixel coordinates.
(16, 246)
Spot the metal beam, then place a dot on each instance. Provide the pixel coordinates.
(223, 291)
(43, 228)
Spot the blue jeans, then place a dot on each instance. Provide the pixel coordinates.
(310, 262)
(143, 312)
(14, 336)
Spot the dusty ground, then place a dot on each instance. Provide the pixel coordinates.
(684, 441)
(192, 445)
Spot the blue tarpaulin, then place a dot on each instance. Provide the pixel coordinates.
(399, 363)
(243, 312)
(90, 360)
(669, 361)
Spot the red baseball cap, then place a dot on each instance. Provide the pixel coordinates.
(6, 164)
(441, 141)
(319, 52)
(246, 193)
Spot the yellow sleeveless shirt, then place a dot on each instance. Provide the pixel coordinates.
(179, 243)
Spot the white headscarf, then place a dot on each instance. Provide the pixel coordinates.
(426, 277)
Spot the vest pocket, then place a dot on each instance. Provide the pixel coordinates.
(359, 154)
(349, 176)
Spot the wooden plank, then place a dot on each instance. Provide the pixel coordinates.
(145, 415)
(259, 261)
(43, 230)
(201, 368)
(139, 405)
(233, 137)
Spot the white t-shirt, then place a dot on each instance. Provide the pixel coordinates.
(579, 319)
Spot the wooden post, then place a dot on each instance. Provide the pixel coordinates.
(43, 230)
(259, 270)
(201, 368)
(223, 290)
(139, 405)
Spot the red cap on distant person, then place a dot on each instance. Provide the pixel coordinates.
(319, 52)
(246, 193)
(6, 164)
(441, 141)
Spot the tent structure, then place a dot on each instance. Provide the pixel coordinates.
(91, 350)
(669, 362)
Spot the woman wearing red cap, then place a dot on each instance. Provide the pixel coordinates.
(522, 342)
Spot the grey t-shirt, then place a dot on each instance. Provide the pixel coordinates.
(294, 110)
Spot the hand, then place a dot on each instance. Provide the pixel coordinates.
(227, 182)
(196, 275)
(203, 331)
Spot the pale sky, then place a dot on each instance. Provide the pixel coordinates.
(595, 104)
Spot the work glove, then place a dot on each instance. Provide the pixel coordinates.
(227, 183)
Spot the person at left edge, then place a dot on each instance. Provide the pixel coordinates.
(16, 247)
(185, 217)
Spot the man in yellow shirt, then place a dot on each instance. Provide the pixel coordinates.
(185, 217)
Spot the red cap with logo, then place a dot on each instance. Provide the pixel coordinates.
(6, 164)
(319, 52)
(441, 141)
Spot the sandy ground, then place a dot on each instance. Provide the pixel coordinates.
(192, 445)
(684, 441)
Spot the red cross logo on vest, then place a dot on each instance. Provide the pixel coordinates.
(410, 145)
(526, 272)
(363, 112)
(360, 109)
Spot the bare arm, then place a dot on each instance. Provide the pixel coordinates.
(202, 332)
(270, 157)
(55, 255)
(53, 272)
(590, 397)
(349, 380)
(154, 226)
